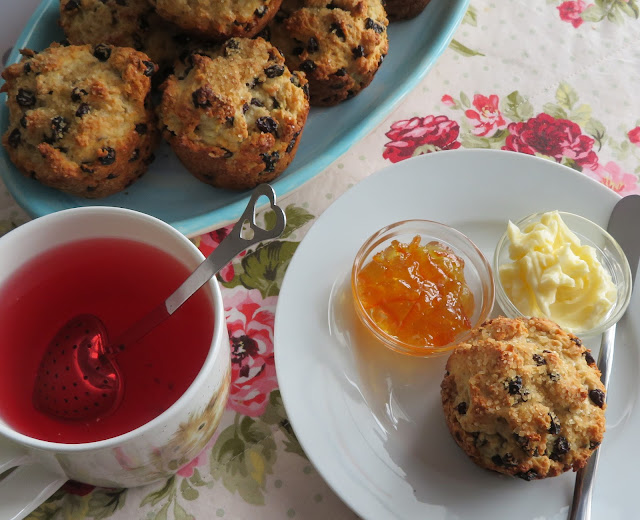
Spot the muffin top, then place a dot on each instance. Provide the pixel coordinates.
(218, 19)
(236, 93)
(78, 112)
(324, 38)
(133, 23)
(523, 397)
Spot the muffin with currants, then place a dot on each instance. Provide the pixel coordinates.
(78, 117)
(234, 115)
(338, 44)
(524, 398)
(218, 19)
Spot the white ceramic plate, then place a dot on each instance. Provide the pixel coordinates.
(371, 420)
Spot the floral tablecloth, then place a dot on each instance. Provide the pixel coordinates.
(558, 79)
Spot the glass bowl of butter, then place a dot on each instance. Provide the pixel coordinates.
(563, 267)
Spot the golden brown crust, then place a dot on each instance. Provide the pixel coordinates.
(133, 24)
(78, 120)
(218, 19)
(524, 398)
(404, 9)
(234, 116)
(339, 45)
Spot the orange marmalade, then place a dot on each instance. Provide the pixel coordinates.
(417, 293)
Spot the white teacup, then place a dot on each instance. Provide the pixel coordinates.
(151, 452)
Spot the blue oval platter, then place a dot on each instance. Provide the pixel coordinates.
(170, 193)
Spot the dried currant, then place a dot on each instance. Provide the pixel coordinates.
(26, 68)
(554, 426)
(256, 102)
(274, 71)
(108, 157)
(135, 155)
(308, 66)
(514, 386)
(561, 446)
(15, 138)
(25, 98)
(86, 169)
(554, 376)
(77, 93)
(341, 72)
(60, 126)
(23, 122)
(528, 475)
(102, 51)
(71, 5)
(539, 360)
(267, 125)
(297, 51)
(83, 110)
(336, 29)
(312, 45)
(292, 143)
(141, 128)
(462, 408)
(588, 358)
(227, 154)
(371, 24)
(150, 68)
(597, 397)
(270, 161)
(261, 11)
(358, 51)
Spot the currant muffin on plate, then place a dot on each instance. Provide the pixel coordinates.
(234, 115)
(524, 398)
(404, 9)
(133, 23)
(78, 120)
(218, 19)
(338, 44)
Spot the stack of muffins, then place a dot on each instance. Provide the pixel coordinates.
(234, 83)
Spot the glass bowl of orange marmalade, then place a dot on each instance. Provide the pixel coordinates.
(421, 286)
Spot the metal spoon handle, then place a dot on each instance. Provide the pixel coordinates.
(583, 488)
(233, 244)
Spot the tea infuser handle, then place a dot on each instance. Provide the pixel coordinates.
(234, 243)
(27, 486)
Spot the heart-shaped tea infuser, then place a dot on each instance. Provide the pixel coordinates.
(78, 376)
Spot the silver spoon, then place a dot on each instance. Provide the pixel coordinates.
(78, 376)
(622, 226)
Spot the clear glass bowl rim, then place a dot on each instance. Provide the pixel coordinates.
(622, 301)
(390, 232)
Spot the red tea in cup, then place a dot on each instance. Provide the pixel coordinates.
(118, 281)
